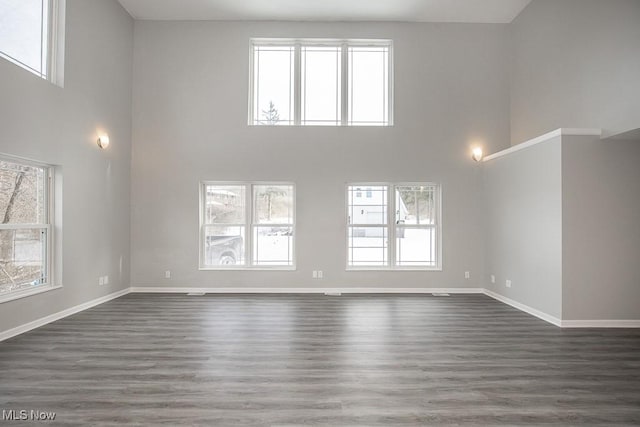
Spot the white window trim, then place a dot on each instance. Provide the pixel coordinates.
(344, 99)
(53, 69)
(392, 227)
(57, 22)
(49, 225)
(249, 225)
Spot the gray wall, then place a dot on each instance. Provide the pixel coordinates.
(562, 221)
(190, 124)
(601, 235)
(575, 64)
(59, 126)
(523, 201)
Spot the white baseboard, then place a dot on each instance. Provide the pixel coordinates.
(59, 315)
(523, 307)
(308, 290)
(344, 290)
(601, 323)
(564, 323)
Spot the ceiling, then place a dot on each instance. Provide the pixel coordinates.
(470, 11)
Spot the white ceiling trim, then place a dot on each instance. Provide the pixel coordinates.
(460, 11)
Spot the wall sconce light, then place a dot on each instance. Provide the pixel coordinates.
(103, 141)
(476, 154)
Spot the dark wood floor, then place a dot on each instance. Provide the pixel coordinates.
(286, 360)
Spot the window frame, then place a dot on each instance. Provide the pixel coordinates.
(360, 188)
(250, 224)
(392, 227)
(53, 67)
(48, 225)
(294, 115)
(302, 80)
(348, 116)
(344, 45)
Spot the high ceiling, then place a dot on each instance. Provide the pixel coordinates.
(471, 11)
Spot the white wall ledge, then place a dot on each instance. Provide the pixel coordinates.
(543, 138)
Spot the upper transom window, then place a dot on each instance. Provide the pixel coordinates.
(31, 36)
(321, 82)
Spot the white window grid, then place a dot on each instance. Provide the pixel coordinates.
(310, 49)
(344, 108)
(250, 226)
(385, 84)
(392, 226)
(254, 100)
(45, 228)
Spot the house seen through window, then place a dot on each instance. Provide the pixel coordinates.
(393, 226)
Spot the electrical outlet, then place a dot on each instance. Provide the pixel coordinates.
(320, 274)
(467, 275)
(314, 274)
(167, 274)
(508, 283)
(493, 279)
(106, 279)
(100, 281)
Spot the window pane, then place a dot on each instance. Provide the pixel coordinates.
(415, 205)
(23, 33)
(367, 204)
(416, 247)
(273, 204)
(224, 246)
(22, 259)
(368, 85)
(22, 194)
(225, 204)
(273, 245)
(368, 246)
(273, 85)
(320, 86)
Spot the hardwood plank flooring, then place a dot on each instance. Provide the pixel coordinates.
(287, 360)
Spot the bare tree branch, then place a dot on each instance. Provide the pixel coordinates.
(16, 189)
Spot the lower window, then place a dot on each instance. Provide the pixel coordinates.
(247, 225)
(393, 226)
(25, 227)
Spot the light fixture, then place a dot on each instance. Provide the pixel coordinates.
(103, 141)
(476, 154)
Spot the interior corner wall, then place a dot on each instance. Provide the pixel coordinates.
(59, 126)
(601, 236)
(190, 124)
(575, 64)
(523, 203)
